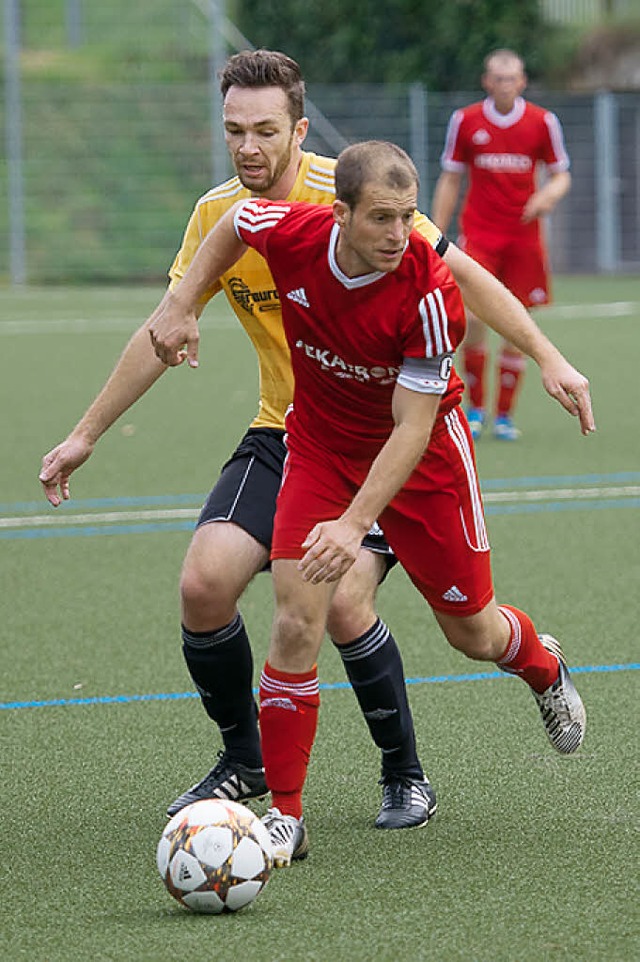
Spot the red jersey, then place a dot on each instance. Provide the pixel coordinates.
(500, 153)
(352, 338)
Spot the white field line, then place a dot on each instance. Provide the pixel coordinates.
(106, 325)
(607, 310)
(103, 325)
(105, 517)
(176, 514)
(561, 494)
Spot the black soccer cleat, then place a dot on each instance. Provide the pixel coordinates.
(406, 802)
(227, 780)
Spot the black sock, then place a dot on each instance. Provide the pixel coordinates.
(374, 668)
(221, 666)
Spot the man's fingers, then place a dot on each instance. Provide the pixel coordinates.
(192, 352)
(585, 412)
(50, 488)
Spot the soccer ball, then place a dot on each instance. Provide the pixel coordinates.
(215, 856)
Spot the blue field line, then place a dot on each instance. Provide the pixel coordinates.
(325, 686)
(492, 484)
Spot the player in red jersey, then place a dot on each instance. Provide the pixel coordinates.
(499, 143)
(372, 318)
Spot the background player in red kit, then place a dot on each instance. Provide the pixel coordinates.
(372, 316)
(498, 143)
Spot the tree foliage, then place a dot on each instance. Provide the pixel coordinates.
(396, 41)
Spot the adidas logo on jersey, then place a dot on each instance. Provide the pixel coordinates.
(454, 594)
(299, 296)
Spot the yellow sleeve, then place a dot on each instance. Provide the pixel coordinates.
(428, 229)
(193, 237)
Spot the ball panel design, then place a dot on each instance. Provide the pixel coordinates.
(186, 872)
(213, 845)
(248, 859)
(241, 894)
(162, 855)
(207, 902)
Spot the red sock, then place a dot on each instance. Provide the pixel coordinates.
(475, 359)
(525, 655)
(289, 706)
(510, 370)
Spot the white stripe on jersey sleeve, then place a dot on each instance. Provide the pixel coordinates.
(320, 179)
(557, 142)
(222, 192)
(254, 217)
(446, 158)
(435, 324)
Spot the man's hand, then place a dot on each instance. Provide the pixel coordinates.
(538, 205)
(570, 388)
(332, 547)
(58, 466)
(175, 335)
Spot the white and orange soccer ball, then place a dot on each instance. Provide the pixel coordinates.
(215, 856)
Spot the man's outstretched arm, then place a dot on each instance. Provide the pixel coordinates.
(490, 300)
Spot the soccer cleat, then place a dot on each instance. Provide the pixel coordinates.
(561, 707)
(475, 417)
(288, 836)
(228, 780)
(504, 429)
(406, 802)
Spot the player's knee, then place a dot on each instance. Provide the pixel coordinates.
(352, 610)
(350, 617)
(471, 640)
(297, 634)
(207, 596)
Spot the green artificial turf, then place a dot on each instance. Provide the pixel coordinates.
(531, 856)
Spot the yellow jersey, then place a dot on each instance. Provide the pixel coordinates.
(249, 286)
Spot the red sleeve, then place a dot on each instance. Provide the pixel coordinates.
(255, 219)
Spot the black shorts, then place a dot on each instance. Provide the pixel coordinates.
(248, 486)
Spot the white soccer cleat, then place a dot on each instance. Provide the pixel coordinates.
(288, 836)
(561, 707)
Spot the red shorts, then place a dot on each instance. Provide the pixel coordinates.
(435, 524)
(520, 263)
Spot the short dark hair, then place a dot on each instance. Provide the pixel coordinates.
(266, 68)
(372, 160)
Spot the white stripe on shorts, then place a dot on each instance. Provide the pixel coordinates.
(461, 441)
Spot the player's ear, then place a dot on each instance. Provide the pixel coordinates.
(301, 130)
(340, 210)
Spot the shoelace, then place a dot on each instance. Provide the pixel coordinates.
(397, 793)
(215, 772)
(556, 702)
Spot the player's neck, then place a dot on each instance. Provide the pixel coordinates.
(505, 107)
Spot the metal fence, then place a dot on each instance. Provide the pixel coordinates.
(107, 173)
(596, 228)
